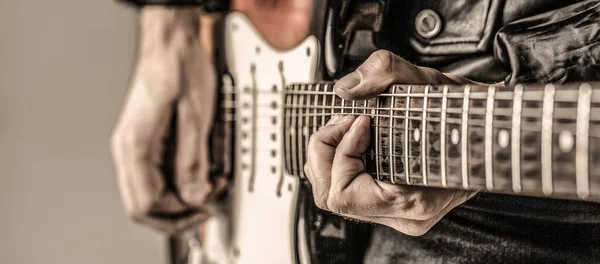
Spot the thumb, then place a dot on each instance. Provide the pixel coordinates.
(382, 69)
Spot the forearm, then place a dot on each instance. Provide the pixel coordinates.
(171, 30)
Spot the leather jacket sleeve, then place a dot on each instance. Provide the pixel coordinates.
(558, 46)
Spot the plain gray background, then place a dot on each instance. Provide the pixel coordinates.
(64, 69)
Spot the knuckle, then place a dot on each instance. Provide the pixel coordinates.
(306, 168)
(317, 136)
(337, 206)
(138, 211)
(393, 196)
(384, 60)
(134, 214)
(319, 202)
(320, 199)
(416, 206)
(423, 211)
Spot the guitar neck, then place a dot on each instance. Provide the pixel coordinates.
(537, 140)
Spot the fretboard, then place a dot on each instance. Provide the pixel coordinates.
(538, 140)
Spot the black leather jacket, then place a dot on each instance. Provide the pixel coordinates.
(488, 41)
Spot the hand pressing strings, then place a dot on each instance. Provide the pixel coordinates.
(334, 160)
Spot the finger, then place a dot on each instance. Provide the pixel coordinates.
(136, 142)
(321, 147)
(168, 203)
(347, 162)
(353, 191)
(195, 113)
(176, 226)
(379, 71)
(191, 168)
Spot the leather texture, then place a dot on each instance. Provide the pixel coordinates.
(487, 41)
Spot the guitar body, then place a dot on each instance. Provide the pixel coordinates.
(264, 197)
(271, 216)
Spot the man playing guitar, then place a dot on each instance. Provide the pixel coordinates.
(415, 224)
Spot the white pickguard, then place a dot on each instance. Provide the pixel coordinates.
(262, 225)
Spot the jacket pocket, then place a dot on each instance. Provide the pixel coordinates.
(465, 27)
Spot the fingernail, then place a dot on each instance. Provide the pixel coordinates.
(356, 121)
(347, 82)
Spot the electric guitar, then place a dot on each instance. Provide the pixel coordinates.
(538, 140)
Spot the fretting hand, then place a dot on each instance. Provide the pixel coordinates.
(336, 170)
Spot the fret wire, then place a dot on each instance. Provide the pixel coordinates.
(332, 102)
(391, 138)
(353, 107)
(463, 141)
(489, 122)
(375, 110)
(443, 136)
(582, 141)
(406, 124)
(366, 106)
(288, 135)
(343, 108)
(424, 160)
(314, 129)
(293, 138)
(300, 136)
(516, 139)
(323, 110)
(548, 118)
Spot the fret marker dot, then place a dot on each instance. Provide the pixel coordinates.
(566, 141)
(455, 136)
(503, 138)
(305, 131)
(417, 135)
